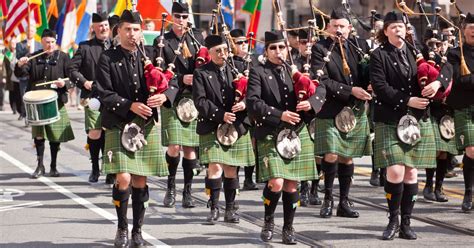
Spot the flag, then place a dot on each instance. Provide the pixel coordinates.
(40, 17)
(69, 26)
(253, 7)
(227, 8)
(17, 22)
(3, 9)
(52, 14)
(152, 9)
(120, 6)
(86, 20)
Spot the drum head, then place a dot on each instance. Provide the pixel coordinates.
(226, 134)
(39, 96)
(446, 127)
(408, 130)
(345, 121)
(312, 128)
(186, 111)
(288, 143)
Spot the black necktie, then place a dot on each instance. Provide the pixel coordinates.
(133, 58)
(221, 75)
(281, 73)
(404, 60)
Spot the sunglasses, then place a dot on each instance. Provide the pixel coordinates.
(178, 16)
(275, 47)
(222, 50)
(303, 41)
(240, 42)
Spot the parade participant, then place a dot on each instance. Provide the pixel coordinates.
(400, 102)
(462, 101)
(12, 82)
(214, 94)
(49, 66)
(293, 41)
(241, 55)
(132, 142)
(442, 116)
(271, 100)
(82, 72)
(179, 133)
(342, 126)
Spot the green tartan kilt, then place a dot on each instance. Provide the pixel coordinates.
(239, 154)
(59, 131)
(92, 119)
(356, 143)
(271, 165)
(389, 150)
(149, 161)
(464, 128)
(443, 145)
(175, 132)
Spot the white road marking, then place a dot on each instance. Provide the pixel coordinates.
(76, 198)
(20, 206)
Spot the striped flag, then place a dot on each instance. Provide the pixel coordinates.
(85, 21)
(17, 22)
(253, 7)
(3, 9)
(67, 26)
(120, 6)
(52, 14)
(228, 12)
(152, 9)
(40, 17)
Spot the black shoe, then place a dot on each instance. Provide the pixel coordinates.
(137, 239)
(121, 238)
(170, 197)
(375, 178)
(467, 202)
(326, 208)
(213, 216)
(346, 209)
(304, 194)
(288, 236)
(110, 179)
(231, 215)
(20, 117)
(94, 177)
(249, 185)
(267, 230)
(405, 230)
(393, 227)
(440, 196)
(187, 199)
(39, 171)
(428, 193)
(314, 198)
(54, 172)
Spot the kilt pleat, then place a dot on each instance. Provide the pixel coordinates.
(239, 154)
(92, 119)
(175, 132)
(59, 131)
(389, 150)
(464, 127)
(272, 165)
(442, 144)
(149, 161)
(357, 143)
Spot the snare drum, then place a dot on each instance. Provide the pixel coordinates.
(41, 107)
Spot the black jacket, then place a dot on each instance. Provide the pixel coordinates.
(213, 98)
(43, 69)
(462, 91)
(84, 64)
(116, 86)
(183, 66)
(338, 86)
(267, 98)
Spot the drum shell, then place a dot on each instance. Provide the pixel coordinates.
(42, 111)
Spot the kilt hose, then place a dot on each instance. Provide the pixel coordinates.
(239, 154)
(272, 165)
(59, 131)
(389, 150)
(176, 132)
(443, 145)
(149, 161)
(463, 122)
(356, 143)
(92, 119)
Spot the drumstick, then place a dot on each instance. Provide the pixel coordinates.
(52, 82)
(37, 55)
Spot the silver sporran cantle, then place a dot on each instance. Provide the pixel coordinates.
(345, 121)
(226, 134)
(288, 143)
(186, 111)
(446, 127)
(312, 129)
(132, 137)
(408, 130)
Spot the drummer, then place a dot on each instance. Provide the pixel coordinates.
(50, 66)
